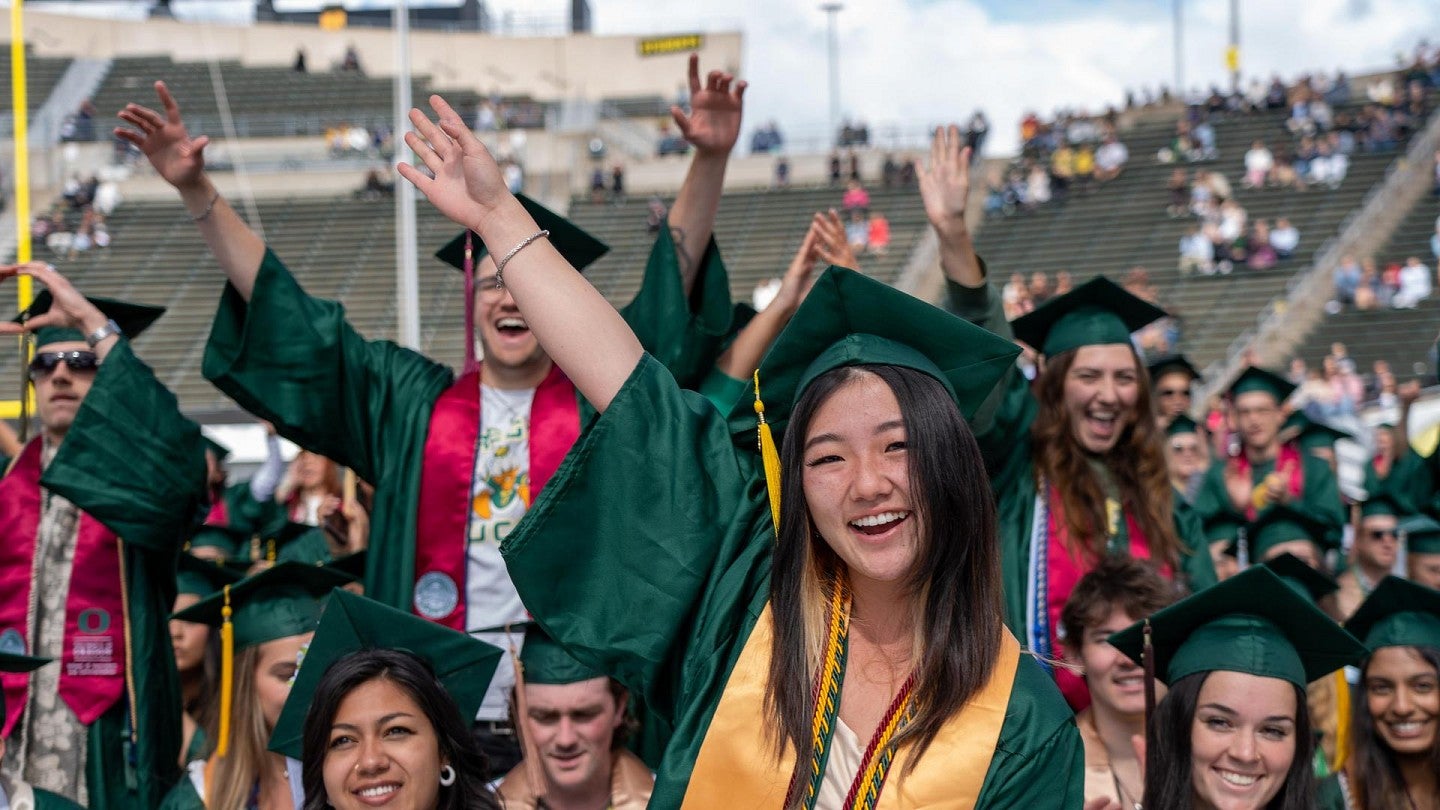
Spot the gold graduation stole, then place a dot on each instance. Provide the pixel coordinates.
(737, 765)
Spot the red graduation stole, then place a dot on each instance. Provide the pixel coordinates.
(1288, 460)
(446, 476)
(92, 675)
(219, 515)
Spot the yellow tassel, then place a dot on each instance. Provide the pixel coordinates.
(769, 458)
(270, 550)
(1342, 725)
(227, 674)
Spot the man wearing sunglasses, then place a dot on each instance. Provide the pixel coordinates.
(1170, 381)
(92, 513)
(1373, 556)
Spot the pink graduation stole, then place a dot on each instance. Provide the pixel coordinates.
(92, 675)
(447, 473)
(219, 515)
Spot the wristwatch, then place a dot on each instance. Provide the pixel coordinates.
(110, 328)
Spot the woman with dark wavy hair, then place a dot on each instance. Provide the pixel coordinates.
(814, 626)
(1393, 762)
(1232, 731)
(1076, 460)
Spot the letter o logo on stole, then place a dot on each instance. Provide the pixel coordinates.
(436, 595)
(93, 621)
(12, 642)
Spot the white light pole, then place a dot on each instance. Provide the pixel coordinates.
(830, 10)
(407, 282)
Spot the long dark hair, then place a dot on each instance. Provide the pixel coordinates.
(1168, 771)
(416, 679)
(1375, 778)
(955, 581)
(1137, 461)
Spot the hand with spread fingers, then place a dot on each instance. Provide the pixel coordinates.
(945, 182)
(176, 156)
(799, 276)
(70, 309)
(713, 125)
(832, 246)
(466, 184)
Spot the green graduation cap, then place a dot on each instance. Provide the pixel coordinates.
(1281, 524)
(1381, 503)
(204, 577)
(221, 451)
(1173, 363)
(1312, 435)
(1254, 378)
(14, 662)
(544, 660)
(232, 543)
(579, 248)
(351, 564)
(295, 542)
(1252, 623)
(1098, 312)
(463, 665)
(1398, 613)
(1181, 424)
(131, 318)
(1303, 579)
(1422, 534)
(1227, 526)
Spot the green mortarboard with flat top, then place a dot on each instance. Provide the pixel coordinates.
(1303, 579)
(232, 543)
(1281, 524)
(1173, 363)
(1224, 524)
(295, 542)
(1097, 313)
(14, 662)
(221, 451)
(1254, 378)
(1422, 534)
(1311, 435)
(351, 564)
(848, 319)
(545, 661)
(1181, 424)
(579, 248)
(204, 577)
(1251, 623)
(463, 665)
(131, 318)
(1398, 613)
(1381, 503)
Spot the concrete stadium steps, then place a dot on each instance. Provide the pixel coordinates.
(1401, 336)
(758, 233)
(266, 101)
(338, 248)
(41, 75)
(1124, 224)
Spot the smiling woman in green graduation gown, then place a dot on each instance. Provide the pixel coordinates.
(653, 555)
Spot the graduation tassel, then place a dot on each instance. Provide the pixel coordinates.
(25, 346)
(227, 674)
(528, 750)
(470, 363)
(769, 458)
(1147, 660)
(1342, 726)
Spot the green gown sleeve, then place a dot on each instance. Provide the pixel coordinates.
(295, 361)
(45, 800)
(686, 334)
(1321, 496)
(1038, 763)
(134, 463)
(183, 797)
(643, 547)
(1195, 561)
(1328, 795)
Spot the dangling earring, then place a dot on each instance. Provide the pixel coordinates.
(447, 776)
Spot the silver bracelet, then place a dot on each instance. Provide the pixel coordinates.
(204, 215)
(524, 243)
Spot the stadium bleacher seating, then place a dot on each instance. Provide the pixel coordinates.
(41, 75)
(1124, 224)
(1401, 336)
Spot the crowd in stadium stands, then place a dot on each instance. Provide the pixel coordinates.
(853, 133)
(79, 125)
(1399, 286)
(767, 139)
(615, 190)
(1074, 152)
(352, 140)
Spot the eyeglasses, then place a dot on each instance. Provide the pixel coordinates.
(78, 361)
(1185, 449)
(1381, 534)
(489, 286)
(1165, 393)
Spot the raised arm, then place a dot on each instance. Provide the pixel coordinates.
(945, 189)
(577, 327)
(712, 127)
(744, 355)
(180, 160)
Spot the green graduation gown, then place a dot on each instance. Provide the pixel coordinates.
(1319, 494)
(131, 461)
(648, 557)
(294, 360)
(1408, 482)
(1003, 432)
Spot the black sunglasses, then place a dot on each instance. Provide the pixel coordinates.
(1378, 534)
(45, 362)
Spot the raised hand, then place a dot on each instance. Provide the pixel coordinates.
(69, 310)
(832, 246)
(164, 140)
(945, 183)
(467, 184)
(713, 125)
(799, 276)
(1408, 392)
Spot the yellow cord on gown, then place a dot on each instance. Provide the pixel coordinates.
(769, 458)
(1342, 724)
(227, 674)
